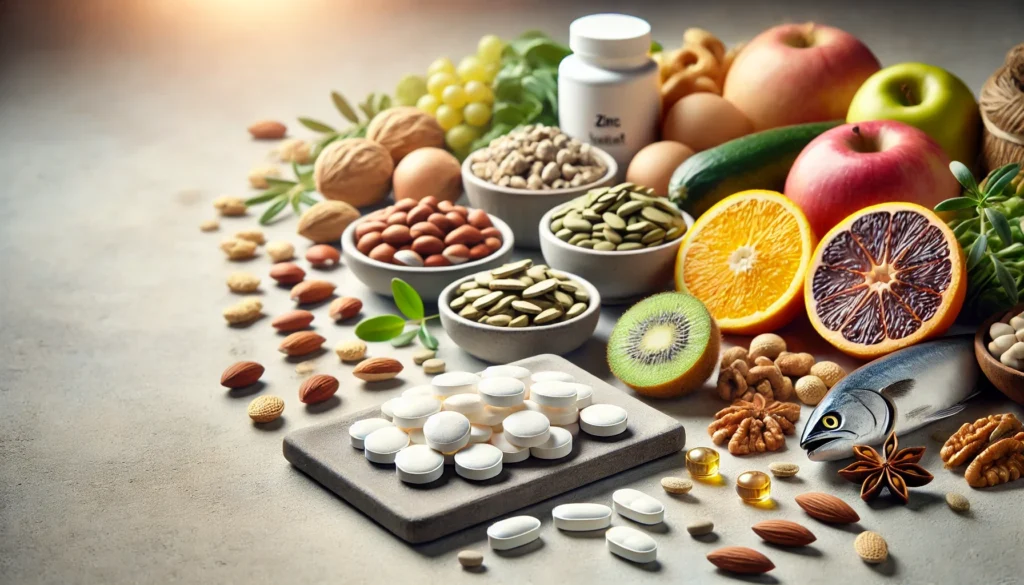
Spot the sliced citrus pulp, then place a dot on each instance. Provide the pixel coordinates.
(746, 259)
(884, 278)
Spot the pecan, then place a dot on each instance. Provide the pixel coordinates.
(973, 437)
(754, 426)
(1000, 462)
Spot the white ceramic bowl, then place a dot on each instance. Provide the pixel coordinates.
(501, 345)
(429, 282)
(522, 208)
(620, 277)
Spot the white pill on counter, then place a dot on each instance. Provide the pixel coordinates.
(419, 464)
(467, 404)
(412, 413)
(518, 372)
(584, 395)
(478, 462)
(501, 392)
(480, 434)
(631, 544)
(556, 416)
(1000, 329)
(558, 445)
(385, 409)
(513, 532)
(638, 506)
(416, 437)
(447, 431)
(421, 390)
(510, 453)
(554, 393)
(454, 383)
(361, 428)
(582, 517)
(494, 415)
(550, 375)
(526, 428)
(574, 428)
(603, 420)
(383, 444)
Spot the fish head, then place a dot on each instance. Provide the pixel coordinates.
(853, 416)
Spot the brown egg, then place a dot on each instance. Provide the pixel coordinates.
(654, 164)
(704, 120)
(427, 172)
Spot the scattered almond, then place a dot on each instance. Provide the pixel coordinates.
(254, 236)
(470, 558)
(871, 547)
(434, 366)
(676, 485)
(423, 355)
(230, 205)
(779, 469)
(323, 255)
(280, 251)
(243, 282)
(318, 388)
(241, 374)
(377, 369)
(294, 150)
(827, 508)
(325, 221)
(351, 351)
(292, 320)
(287, 273)
(238, 249)
(210, 225)
(258, 176)
(264, 409)
(245, 311)
(268, 130)
(312, 291)
(810, 390)
(958, 502)
(301, 343)
(768, 345)
(783, 533)
(343, 308)
(829, 372)
(740, 559)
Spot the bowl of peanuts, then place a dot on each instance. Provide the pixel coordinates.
(427, 243)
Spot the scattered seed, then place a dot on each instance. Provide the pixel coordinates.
(422, 356)
(243, 282)
(700, 527)
(871, 547)
(305, 368)
(209, 225)
(351, 351)
(470, 558)
(779, 469)
(676, 485)
(958, 502)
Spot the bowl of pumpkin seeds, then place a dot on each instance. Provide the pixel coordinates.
(623, 239)
(519, 310)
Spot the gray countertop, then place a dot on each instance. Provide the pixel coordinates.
(121, 458)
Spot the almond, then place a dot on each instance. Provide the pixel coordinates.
(740, 559)
(241, 374)
(268, 130)
(827, 508)
(323, 255)
(301, 343)
(377, 369)
(318, 388)
(292, 320)
(783, 532)
(312, 291)
(344, 308)
(287, 273)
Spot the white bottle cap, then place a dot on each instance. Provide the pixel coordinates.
(610, 36)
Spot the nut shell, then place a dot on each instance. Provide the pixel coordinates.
(318, 388)
(241, 374)
(264, 409)
(740, 559)
(404, 129)
(827, 508)
(354, 170)
(783, 533)
(871, 547)
(325, 221)
(377, 369)
(829, 372)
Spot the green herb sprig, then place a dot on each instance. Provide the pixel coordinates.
(393, 328)
(374, 104)
(283, 192)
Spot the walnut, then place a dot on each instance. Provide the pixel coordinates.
(354, 170)
(732, 381)
(754, 427)
(1000, 462)
(973, 437)
(404, 129)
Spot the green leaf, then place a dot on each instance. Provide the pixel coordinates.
(405, 338)
(1005, 280)
(407, 299)
(380, 328)
(307, 199)
(315, 125)
(367, 106)
(266, 195)
(962, 229)
(998, 186)
(383, 103)
(656, 47)
(280, 182)
(516, 114)
(273, 210)
(956, 203)
(343, 106)
(428, 340)
(999, 223)
(977, 251)
(294, 199)
(964, 176)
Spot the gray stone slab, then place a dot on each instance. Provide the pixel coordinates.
(423, 513)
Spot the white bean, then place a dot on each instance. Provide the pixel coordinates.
(999, 345)
(999, 329)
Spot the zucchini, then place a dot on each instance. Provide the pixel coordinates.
(756, 161)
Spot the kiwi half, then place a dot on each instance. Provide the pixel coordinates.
(664, 346)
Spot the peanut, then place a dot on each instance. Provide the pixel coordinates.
(245, 311)
(280, 251)
(238, 249)
(243, 282)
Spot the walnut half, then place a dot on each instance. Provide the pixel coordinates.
(1000, 462)
(973, 438)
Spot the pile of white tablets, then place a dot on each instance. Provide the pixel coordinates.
(479, 422)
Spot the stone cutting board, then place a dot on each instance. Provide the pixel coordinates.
(423, 513)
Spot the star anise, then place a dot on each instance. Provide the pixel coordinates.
(897, 470)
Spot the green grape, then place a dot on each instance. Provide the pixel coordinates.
(428, 104)
(477, 91)
(410, 88)
(460, 137)
(470, 69)
(442, 65)
(448, 117)
(477, 114)
(491, 71)
(454, 96)
(438, 81)
(489, 49)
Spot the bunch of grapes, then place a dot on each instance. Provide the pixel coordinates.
(459, 97)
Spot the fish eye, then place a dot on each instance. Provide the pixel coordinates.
(830, 421)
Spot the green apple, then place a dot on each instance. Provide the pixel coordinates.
(926, 97)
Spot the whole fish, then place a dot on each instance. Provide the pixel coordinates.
(902, 391)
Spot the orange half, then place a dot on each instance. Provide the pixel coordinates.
(746, 259)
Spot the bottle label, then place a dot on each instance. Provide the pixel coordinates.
(605, 123)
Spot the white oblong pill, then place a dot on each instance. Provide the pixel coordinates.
(603, 420)
(549, 375)
(556, 416)
(558, 445)
(412, 413)
(518, 372)
(416, 437)
(421, 390)
(480, 434)
(584, 395)
(382, 445)
(510, 453)
(494, 415)
(631, 544)
(361, 428)
(478, 462)
(454, 383)
(554, 393)
(526, 428)
(638, 506)
(419, 464)
(447, 431)
(467, 404)
(573, 429)
(385, 409)
(513, 532)
(501, 392)
(582, 517)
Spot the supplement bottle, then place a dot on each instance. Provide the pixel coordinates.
(608, 92)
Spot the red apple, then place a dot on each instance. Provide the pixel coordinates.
(853, 166)
(797, 73)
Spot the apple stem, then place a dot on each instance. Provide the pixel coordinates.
(909, 98)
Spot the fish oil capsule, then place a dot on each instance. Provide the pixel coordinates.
(753, 486)
(702, 462)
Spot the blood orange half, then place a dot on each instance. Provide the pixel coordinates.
(886, 277)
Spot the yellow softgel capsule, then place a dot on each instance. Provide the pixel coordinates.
(753, 486)
(702, 462)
